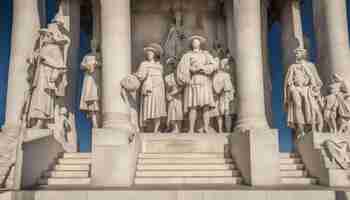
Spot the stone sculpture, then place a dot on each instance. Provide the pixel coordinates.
(302, 95)
(174, 97)
(152, 100)
(130, 95)
(337, 151)
(48, 79)
(63, 130)
(223, 95)
(90, 98)
(194, 73)
(176, 38)
(337, 109)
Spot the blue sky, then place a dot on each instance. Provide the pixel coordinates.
(83, 124)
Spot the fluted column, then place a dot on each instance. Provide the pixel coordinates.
(249, 70)
(331, 27)
(26, 23)
(116, 56)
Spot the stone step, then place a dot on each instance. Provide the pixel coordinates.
(182, 155)
(74, 161)
(289, 155)
(290, 161)
(298, 181)
(71, 167)
(194, 173)
(77, 155)
(187, 180)
(186, 167)
(65, 181)
(67, 174)
(292, 166)
(185, 161)
(293, 173)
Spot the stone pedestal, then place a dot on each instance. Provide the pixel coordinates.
(257, 156)
(114, 155)
(38, 155)
(316, 162)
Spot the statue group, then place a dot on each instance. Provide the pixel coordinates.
(199, 88)
(308, 109)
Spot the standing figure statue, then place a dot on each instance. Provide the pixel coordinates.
(174, 43)
(195, 72)
(91, 94)
(224, 95)
(48, 79)
(301, 95)
(150, 73)
(174, 97)
(332, 102)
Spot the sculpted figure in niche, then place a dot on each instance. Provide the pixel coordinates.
(223, 95)
(195, 72)
(90, 98)
(150, 73)
(301, 95)
(174, 97)
(174, 43)
(48, 67)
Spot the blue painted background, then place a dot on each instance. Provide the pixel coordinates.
(84, 125)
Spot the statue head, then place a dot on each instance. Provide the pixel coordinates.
(153, 51)
(197, 41)
(301, 54)
(58, 19)
(225, 64)
(63, 111)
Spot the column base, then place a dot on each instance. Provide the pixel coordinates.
(114, 155)
(256, 153)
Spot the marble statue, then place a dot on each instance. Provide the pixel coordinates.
(91, 94)
(150, 73)
(331, 107)
(130, 86)
(176, 38)
(224, 93)
(175, 106)
(302, 86)
(49, 67)
(337, 150)
(194, 73)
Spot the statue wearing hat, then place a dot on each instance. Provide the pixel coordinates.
(150, 73)
(195, 72)
(302, 85)
(90, 98)
(48, 65)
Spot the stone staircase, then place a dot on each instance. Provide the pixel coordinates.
(293, 170)
(186, 168)
(70, 169)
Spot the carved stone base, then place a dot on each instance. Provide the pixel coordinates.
(257, 156)
(311, 149)
(184, 143)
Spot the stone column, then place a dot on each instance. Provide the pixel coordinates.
(249, 58)
(253, 139)
(116, 56)
(292, 32)
(266, 67)
(96, 25)
(26, 23)
(114, 151)
(71, 11)
(331, 27)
